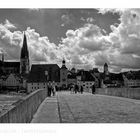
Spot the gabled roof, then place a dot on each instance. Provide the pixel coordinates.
(85, 76)
(116, 77)
(37, 73)
(63, 67)
(133, 75)
(16, 76)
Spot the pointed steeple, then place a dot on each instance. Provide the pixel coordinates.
(24, 58)
(24, 50)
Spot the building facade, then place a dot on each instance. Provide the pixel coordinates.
(41, 74)
(17, 72)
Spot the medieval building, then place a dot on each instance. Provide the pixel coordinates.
(63, 75)
(13, 74)
(24, 58)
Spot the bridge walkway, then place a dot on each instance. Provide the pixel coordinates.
(87, 108)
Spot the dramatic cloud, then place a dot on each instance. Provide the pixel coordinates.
(85, 47)
(120, 48)
(40, 48)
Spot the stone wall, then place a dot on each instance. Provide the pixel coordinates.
(133, 93)
(24, 110)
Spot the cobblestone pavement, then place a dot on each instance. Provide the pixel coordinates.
(88, 108)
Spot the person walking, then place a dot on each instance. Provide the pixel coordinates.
(93, 88)
(76, 88)
(49, 89)
(81, 89)
(53, 88)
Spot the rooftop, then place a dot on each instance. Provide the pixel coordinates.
(37, 73)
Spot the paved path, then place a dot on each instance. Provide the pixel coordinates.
(87, 108)
(47, 112)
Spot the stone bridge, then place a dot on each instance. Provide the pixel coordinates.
(87, 108)
(66, 107)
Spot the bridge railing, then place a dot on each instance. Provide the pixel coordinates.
(24, 110)
(133, 93)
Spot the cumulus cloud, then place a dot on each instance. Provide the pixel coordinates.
(40, 48)
(111, 10)
(82, 45)
(86, 47)
(9, 25)
(120, 48)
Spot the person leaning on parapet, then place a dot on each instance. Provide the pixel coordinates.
(93, 88)
(49, 88)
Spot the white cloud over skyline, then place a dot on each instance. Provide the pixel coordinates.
(84, 47)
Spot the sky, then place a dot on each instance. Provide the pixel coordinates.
(85, 38)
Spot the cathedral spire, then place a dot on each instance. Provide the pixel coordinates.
(24, 58)
(24, 50)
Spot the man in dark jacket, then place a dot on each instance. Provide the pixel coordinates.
(81, 89)
(49, 88)
(93, 89)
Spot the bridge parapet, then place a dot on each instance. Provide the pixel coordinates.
(133, 93)
(24, 110)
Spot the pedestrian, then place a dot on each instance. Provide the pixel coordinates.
(49, 88)
(53, 88)
(72, 89)
(76, 88)
(93, 88)
(81, 89)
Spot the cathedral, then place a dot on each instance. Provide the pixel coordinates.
(13, 74)
(22, 67)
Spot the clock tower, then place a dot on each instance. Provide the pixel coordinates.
(63, 75)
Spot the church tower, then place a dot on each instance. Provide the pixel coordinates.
(106, 69)
(24, 58)
(63, 75)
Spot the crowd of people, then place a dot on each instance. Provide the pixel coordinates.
(76, 88)
(51, 89)
(79, 88)
(73, 88)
